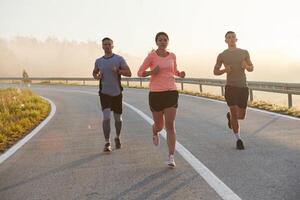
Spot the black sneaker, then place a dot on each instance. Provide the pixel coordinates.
(107, 148)
(228, 118)
(118, 143)
(239, 144)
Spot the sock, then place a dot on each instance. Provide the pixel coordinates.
(237, 136)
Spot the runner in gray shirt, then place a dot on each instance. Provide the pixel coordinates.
(108, 70)
(235, 62)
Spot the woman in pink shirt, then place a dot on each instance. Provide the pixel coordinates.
(163, 96)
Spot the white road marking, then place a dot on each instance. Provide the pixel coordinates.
(23, 141)
(248, 108)
(222, 190)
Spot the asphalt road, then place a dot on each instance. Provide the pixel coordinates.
(65, 160)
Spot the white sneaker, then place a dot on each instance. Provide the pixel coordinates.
(171, 162)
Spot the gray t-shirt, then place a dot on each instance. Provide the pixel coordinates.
(234, 59)
(110, 83)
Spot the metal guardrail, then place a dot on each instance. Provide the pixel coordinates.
(273, 87)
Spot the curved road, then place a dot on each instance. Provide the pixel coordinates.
(65, 160)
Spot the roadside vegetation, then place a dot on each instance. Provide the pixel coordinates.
(20, 112)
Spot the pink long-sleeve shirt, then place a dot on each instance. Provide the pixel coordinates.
(164, 80)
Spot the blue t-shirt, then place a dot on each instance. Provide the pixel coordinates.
(109, 82)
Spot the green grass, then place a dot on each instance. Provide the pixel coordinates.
(20, 112)
(263, 105)
(59, 83)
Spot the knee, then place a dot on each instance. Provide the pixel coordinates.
(117, 117)
(106, 114)
(170, 126)
(106, 121)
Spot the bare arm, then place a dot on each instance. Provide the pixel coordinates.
(96, 73)
(125, 72)
(217, 69)
(178, 73)
(247, 64)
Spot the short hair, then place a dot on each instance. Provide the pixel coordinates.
(229, 32)
(107, 38)
(161, 33)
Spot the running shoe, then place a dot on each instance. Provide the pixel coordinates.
(239, 144)
(107, 148)
(171, 162)
(118, 143)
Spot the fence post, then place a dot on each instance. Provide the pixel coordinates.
(200, 88)
(83, 82)
(141, 82)
(251, 95)
(222, 90)
(290, 100)
(181, 86)
(127, 83)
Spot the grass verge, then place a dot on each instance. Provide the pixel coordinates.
(20, 112)
(263, 105)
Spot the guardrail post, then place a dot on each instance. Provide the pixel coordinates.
(290, 100)
(222, 90)
(141, 82)
(127, 83)
(251, 94)
(200, 88)
(181, 86)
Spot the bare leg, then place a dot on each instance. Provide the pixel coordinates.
(235, 116)
(170, 114)
(234, 119)
(241, 113)
(158, 118)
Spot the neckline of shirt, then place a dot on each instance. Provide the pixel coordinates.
(169, 53)
(108, 57)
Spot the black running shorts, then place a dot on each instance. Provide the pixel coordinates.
(158, 101)
(112, 102)
(236, 96)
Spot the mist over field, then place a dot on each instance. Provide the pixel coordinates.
(63, 58)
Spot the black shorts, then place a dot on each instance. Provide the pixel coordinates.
(158, 101)
(236, 96)
(112, 102)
